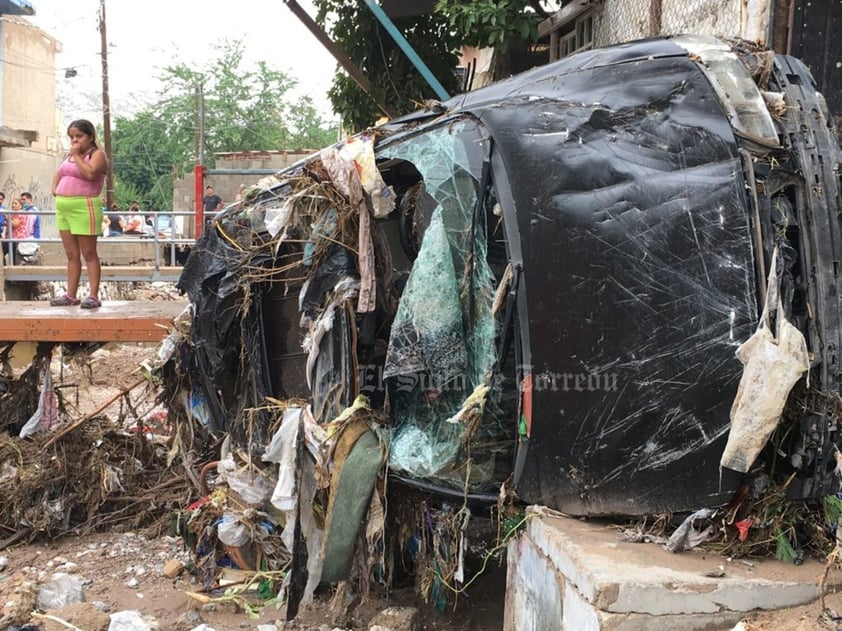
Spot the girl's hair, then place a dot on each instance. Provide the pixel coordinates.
(86, 127)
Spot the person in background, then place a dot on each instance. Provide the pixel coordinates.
(2, 214)
(135, 223)
(3, 224)
(211, 201)
(33, 221)
(21, 224)
(77, 186)
(16, 228)
(114, 222)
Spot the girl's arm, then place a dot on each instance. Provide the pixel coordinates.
(93, 168)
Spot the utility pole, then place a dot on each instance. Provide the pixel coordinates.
(106, 109)
(199, 169)
(200, 123)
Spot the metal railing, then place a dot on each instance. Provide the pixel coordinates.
(169, 246)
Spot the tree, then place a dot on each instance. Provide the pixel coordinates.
(493, 23)
(395, 81)
(505, 25)
(145, 150)
(244, 110)
(510, 27)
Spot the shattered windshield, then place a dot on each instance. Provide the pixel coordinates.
(441, 349)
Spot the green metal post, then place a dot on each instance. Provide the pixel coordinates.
(408, 50)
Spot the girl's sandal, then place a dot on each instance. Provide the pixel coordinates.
(64, 301)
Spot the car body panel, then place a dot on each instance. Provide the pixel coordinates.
(638, 225)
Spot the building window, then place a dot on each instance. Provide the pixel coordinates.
(577, 36)
(571, 28)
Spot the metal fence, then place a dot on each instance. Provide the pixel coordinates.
(168, 240)
(618, 21)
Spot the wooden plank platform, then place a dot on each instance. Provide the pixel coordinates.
(115, 321)
(136, 273)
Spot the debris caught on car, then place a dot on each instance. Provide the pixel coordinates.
(535, 293)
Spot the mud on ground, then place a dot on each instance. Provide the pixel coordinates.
(123, 567)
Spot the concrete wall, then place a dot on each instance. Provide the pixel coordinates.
(29, 170)
(112, 251)
(28, 103)
(28, 85)
(226, 185)
(625, 20)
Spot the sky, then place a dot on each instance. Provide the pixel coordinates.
(144, 37)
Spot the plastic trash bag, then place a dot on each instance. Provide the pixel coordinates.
(281, 450)
(233, 532)
(772, 366)
(360, 152)
(687, 536)
(46, 415)
(59, 591)
(252, 485)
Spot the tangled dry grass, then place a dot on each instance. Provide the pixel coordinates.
(91, 472)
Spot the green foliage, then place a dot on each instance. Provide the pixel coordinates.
(491, 23)
(124, 194)
(144, 148)
(783, 548)
(395, 81)
(513, 525)
(305, 132)
(832, 506)
(244, 110)
(436, 38)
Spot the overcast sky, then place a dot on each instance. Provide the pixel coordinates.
(144, 37)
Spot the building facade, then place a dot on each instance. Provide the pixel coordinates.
(802, 29)
(30, 138)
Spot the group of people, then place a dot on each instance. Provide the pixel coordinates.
(114, 224)
(20, 223)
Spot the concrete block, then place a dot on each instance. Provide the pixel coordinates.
(396, 619)
(533, 590)
(578, 614)
(603, 583)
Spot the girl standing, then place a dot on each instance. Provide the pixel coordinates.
(77, 185)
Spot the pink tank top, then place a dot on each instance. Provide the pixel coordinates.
(72, 184)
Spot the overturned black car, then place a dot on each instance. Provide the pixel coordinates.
(542, 286)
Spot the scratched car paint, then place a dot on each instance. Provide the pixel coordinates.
(609, 221)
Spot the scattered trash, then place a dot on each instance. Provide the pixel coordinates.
(61, 590)
(372, 345)
(773, 362)
(687, 536)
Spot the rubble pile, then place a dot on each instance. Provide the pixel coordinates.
(63, 472)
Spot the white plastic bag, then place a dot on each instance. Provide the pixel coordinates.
(772, 364)
(281, 450)
(46, 415)
(232, 532)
